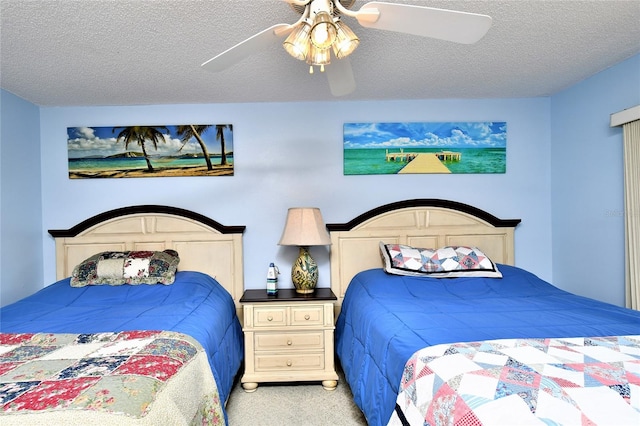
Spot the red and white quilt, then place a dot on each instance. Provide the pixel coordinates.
(564, 381)
(131, 377)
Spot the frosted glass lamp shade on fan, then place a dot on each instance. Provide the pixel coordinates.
(304, 227)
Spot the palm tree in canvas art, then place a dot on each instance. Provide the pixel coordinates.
(220, 136)
(140, 135)
(194, 131)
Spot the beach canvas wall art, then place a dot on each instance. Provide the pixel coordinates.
(429, 147)
(150, 151)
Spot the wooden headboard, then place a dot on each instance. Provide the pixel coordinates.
(419, 223)
(203, 244)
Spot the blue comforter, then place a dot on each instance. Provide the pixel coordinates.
(386, 318)
(195, 304)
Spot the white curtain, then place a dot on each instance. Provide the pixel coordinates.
(631, 132)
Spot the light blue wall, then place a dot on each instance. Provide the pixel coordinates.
(20, 203)
(290, 154)
(587, 176)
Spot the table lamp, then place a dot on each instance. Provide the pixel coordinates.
(304, 227)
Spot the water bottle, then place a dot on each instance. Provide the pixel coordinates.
(272, 279)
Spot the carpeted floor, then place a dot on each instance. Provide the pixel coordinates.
(294, 404)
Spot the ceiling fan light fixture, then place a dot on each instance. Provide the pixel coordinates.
(319, 57)
(297, 43)
(346, 40)
(323, 32)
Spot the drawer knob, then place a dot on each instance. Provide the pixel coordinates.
(289, 363)
(289, 342)
(307, 317)
(269, 318)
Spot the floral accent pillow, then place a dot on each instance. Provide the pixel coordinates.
(444, 262)
(127, 267)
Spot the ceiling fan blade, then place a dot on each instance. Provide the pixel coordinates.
(340, 77)
(442, 24)
(253, 44)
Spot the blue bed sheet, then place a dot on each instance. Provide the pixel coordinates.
(195, 304)
(386, 318)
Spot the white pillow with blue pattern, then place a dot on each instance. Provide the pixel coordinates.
(443, 262)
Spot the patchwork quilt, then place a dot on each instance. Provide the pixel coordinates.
(130, 377)
(568, 381)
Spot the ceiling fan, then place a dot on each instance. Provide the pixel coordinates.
(320, 31)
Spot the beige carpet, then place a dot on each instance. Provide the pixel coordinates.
(294, 404)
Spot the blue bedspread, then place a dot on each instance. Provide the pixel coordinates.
(195, 304)
(386, 318)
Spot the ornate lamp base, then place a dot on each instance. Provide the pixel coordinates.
(304, 272)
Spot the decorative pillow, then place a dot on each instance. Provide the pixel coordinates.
(127, 267)
(445, 262)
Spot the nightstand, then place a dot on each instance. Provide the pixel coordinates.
(288, 337)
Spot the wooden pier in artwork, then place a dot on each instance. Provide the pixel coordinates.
(423, 162)
(408, 156)
(448, 156)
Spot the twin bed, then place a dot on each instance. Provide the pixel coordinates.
(163, 351)
(425, 343)
(420, 342)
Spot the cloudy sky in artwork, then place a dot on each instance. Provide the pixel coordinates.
(425, 135)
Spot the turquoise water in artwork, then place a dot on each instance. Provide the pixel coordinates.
(473, 160)
(103, 164)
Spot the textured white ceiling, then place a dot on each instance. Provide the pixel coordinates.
(131, 52)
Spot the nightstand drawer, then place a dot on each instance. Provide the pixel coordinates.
(290, 362)
(307, 315)
(289, 341)
(269, 316)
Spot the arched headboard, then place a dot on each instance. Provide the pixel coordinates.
(203, 244)
(420, 223)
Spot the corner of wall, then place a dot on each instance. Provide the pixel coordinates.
(20, 199)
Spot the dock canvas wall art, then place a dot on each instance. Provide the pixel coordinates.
(150, 151)
(429, 147)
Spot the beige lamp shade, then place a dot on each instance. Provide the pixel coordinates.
(304, 227)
